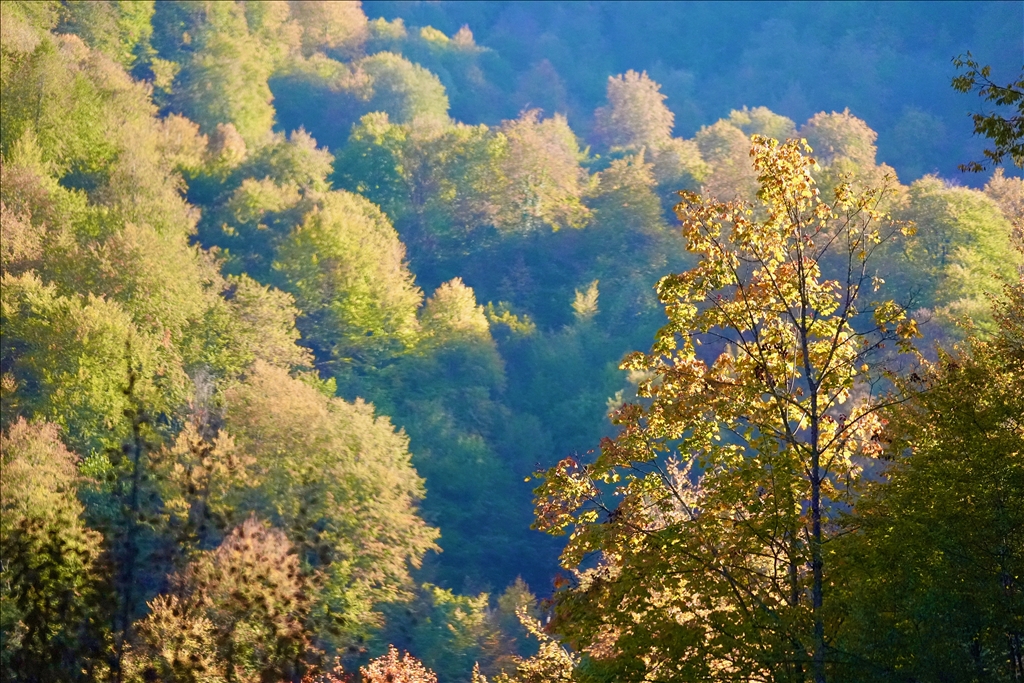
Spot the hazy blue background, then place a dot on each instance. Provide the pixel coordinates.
(890, 63)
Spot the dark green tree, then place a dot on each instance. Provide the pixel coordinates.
(1003, 126)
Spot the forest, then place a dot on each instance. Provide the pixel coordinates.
(505, 342)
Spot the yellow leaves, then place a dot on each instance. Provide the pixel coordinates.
(781, 400)
(907, 328)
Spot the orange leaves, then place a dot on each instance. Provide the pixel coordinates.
(395, 668)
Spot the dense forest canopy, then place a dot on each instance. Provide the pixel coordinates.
(887, 62)
(316, 314)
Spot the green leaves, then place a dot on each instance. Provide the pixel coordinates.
(339, 481)
(1005, 132)
(930, 571)
(347, 270)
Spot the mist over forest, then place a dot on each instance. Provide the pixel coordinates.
(562, 341)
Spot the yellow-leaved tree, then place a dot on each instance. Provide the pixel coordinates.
(697, 535)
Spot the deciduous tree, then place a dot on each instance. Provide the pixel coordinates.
(51, 617)
(711, 509)
(1004, 126)
(930, 582)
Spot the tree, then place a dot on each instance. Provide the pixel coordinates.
(246, 601)
(121, 30)
(65, 358)
(931, 564)
(263, 198)
(960, 254)
(395, 668)
(711, 510)
(338, 480)
(452, 314)
(1005, 132)
(448, 632)
(250, 322)
(627, 215)
(51, 585)
(446, 393)
(636, 114)
(544, 183)
(223, 71)
(541, 88)
(839, 136)
(1008, 193)
(346, 268)
(337, 27)
(762, 121)
(174, 643)
(725, 149)
(440, 187)
(406, 91)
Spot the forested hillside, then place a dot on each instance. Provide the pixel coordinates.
(311, 310)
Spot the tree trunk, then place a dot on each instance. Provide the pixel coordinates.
(818, 661)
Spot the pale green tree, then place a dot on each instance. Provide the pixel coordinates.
(339, 27)
(763, 121)
(406, 91)
(346, 268)
(543, 181)
(725, 148)
(961, 252)
(635, 115)
(224, 72)
(337, 479)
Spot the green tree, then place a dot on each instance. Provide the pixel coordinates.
(930, 587)
(223, 71)
(442, 187)
(678, 165)
(337, 479)
(960, 254)
(543, 182)
(627, 215)
(406, 91)
(711, 509)
(346, 268)
(447, 394)
(636, 115)
(174, 643)
(65, 359)
(397, 669)
(1005, 132)
(340, 28)
(119, 29)
(263, 198)
(448, 632)
(249, 322)
(762, 121)
(1008, 193)
(838, 136)
(246, 600)
(271, 22)
(724, 147)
